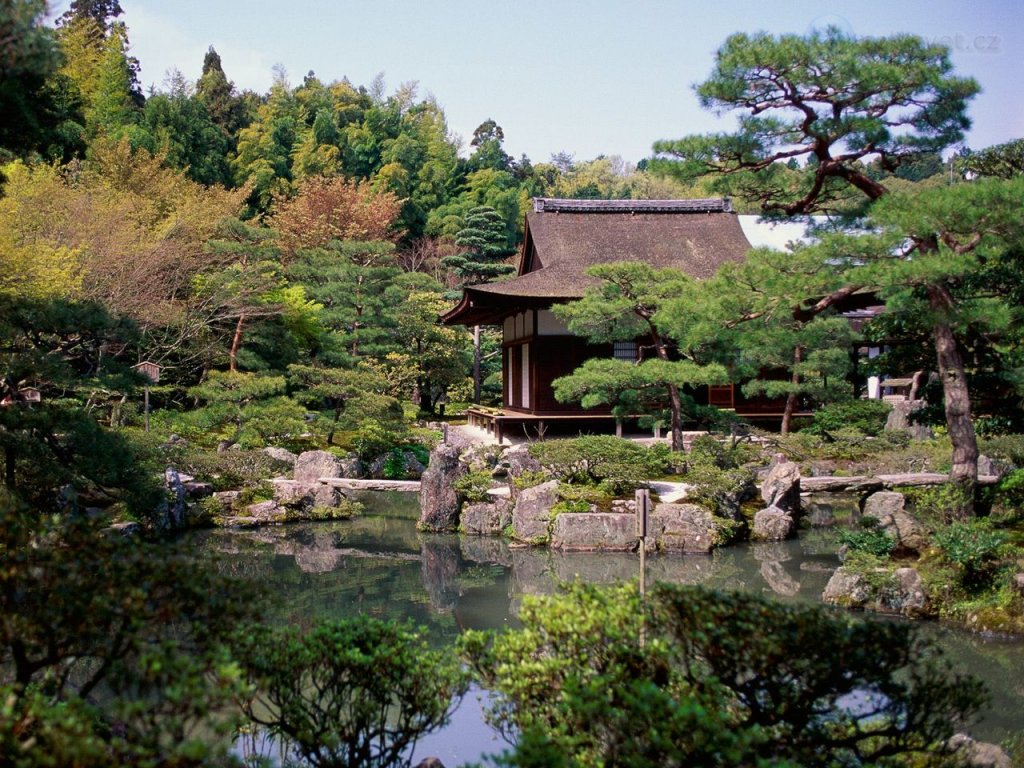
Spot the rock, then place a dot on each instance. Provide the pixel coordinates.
(978, 754)
(240, 521)
(515, 461)
(684, 528)
(226, 499)
(486, 519)
(430, 762)
(781, 488)
(532, 512)
(198, 490)
(482, 458)
(413, 466)
(911, 599)
(312, 465)
(266, 512)
(899, 419)
(174, 519)
(281, 454)
(594, 532)
(302, 496)
(125, 529)
(888, 508)
(846, 589)
(439, 501)
(1018, 583)
(991, 467)
(772, 524)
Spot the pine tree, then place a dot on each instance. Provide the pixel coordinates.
(485, 237)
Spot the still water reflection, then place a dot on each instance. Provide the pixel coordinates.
(379, 565)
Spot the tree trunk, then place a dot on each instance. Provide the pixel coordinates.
(476, 365)
(675, 400)
(677, 417)
(964, 471)
(236, 344)
(791, 398)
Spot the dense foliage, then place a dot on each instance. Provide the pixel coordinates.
(600, 677)
(355, 692)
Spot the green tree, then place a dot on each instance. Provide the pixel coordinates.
(28, 60)
(338, 388)
(217, 94)
(428, 360)
(484, 235)
(1003, 161)
(750, 311)
(112, 649)
(488, 148)
(349, 279)
(264, 155)
(246, 409)
(356, 692)
(690, 677)
(61, 350)
(178, 123)
(836, 102)
(628, 305)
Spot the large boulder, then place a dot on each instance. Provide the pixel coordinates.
(900, 419)
(281, 454)
(594, 531)
(888, 507)
(266, 512)
(515, 461)
(847, 589)
(532, 513)
(303, 496)
(685, 528)
(910, 597)
(978, 754)
(486, 519)
(772, 524)
(172, 515)
(781, 487)
(439, 501)
(312, 465)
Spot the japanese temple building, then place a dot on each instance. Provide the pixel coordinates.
(563, 239)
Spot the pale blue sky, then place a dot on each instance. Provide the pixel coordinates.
(587, 77)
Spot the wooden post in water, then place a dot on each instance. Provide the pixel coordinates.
(643, 511)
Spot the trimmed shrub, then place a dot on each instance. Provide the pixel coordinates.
(622, 466)
(867, 417)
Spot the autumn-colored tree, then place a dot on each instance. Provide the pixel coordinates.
(334, 209)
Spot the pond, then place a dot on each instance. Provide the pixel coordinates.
(379, 565)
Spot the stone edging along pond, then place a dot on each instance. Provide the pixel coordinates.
(527, 517)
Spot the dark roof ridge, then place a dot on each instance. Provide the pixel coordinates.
(565, 205)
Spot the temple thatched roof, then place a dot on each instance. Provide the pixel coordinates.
(566, 237)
